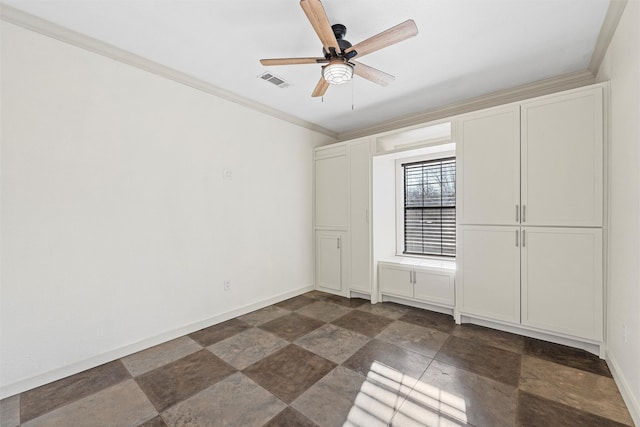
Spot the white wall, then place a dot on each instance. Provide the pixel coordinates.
(621, 66)
(117, 226)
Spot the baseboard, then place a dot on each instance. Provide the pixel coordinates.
(7, 390)
(627, 394)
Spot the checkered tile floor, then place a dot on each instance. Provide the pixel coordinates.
(319, 359)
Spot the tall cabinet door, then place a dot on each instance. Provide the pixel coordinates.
(359, 235)
(489, 272)
(562, 280)
(562, 153)
(331, 191)
(488, 167)
(330, 262)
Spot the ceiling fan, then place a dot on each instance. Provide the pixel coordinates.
(339, 53)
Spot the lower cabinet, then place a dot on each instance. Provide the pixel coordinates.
(435, 286)
(562, 280)
(331, 263)
(545, 278)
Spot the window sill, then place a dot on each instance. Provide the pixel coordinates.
(432, 263)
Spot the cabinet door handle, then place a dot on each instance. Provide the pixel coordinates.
(517, 238)
(338, 240)
(524, 212)
(523, 243)
(414, 277)
(517, 213)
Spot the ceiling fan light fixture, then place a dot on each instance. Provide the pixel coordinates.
(337, 72)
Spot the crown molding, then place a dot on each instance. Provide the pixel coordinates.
(608, 29)
(506, 96)
(49, 29)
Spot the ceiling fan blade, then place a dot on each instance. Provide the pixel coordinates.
(373, 74)
(293, 61)
(386, 38)
(318, 18)
(321, 88)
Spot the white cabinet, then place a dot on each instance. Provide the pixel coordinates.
(562, 164)
(359, 228)
(434, 286)
(331, 264)
(530, 185)
(489, 272)
(488, 167)
(331, 190)
(562, 280)
(341, 205)
(535, 163)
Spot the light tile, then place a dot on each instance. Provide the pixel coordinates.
(333, 342)
(263, 315)
(247, 347)
(386, 309)
(10, 411)
(323, 310)
(120, 405)
(579, 389)
(234, 401)
(154, 357)
(327, 402)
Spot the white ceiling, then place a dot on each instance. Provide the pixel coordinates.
(464, 48)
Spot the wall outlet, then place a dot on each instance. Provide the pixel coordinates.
(227, 285)
(227, 174)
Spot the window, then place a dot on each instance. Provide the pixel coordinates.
(430, 207)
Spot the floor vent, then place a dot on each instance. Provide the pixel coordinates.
(278, 81)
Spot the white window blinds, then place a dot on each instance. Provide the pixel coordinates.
(430, 207)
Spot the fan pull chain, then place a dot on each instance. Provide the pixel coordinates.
(353, 83)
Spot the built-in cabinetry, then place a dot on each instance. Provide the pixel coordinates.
(530, 209)
(341, 217)
(433, 285)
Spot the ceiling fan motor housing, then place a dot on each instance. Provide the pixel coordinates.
(340, 31)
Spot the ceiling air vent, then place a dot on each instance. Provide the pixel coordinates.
(278, 81)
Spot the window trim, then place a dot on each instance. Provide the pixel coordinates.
(400, 200)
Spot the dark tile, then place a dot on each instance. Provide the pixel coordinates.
(290, 418)
(219, 332)
(295, 302)
(492, 337)
(425, 341)
(573, 387)
(534, 411)
(36, 402)
(292, 326)
(491, 362)
(400, 360)
(364, 323)
(289, 372)
(568, 356)
(429, 319)
(183, 378)
(154, 422)
(346, 302)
